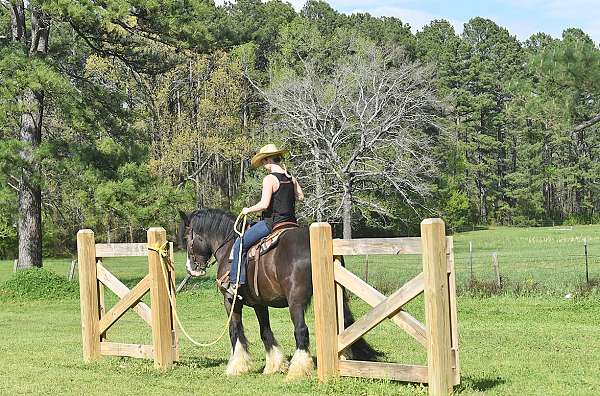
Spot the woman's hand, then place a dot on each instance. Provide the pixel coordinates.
(245, 211)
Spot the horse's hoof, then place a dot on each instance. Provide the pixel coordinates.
(239, 362)
(347, 354)
(275, 362)
(235, 371)
(301, 366)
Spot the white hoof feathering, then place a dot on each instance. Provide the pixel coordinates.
(346, 354)
(239, 362)
(301, 365)
(275, 361)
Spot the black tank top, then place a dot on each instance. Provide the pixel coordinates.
(283, 202)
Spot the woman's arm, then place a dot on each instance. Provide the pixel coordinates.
(265, 199)
(298, 190)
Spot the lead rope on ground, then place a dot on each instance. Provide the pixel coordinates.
(165, 260)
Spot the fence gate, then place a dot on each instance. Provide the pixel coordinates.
(437, 282)
(95, 320)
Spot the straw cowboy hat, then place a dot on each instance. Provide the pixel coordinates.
(270, 150)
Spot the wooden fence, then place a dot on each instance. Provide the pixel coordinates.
(437, 282)
(96, 321)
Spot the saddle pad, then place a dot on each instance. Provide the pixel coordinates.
(267, 243)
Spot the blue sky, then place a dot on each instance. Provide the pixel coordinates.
(521, 17)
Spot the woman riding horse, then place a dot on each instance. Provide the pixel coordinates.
(278, 202)
(284, 276)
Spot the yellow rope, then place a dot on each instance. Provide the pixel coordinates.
(163, 253)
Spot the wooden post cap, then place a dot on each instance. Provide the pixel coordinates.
(434, 220)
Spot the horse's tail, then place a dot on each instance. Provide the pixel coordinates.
(360, 349)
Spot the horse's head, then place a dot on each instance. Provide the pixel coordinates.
(198, 247)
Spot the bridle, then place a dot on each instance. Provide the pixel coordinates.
(207, 263)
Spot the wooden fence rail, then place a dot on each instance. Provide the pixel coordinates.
(437, 282)
(96, 321)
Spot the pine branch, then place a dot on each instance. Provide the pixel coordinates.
(586, 124)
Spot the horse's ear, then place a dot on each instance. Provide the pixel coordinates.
(184, 227)
(184, 218)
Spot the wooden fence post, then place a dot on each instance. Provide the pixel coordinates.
(88, 292)
(496, 269)
(471, 258)
(321, 254)
(587, 270)
(433, 236)
(161, 307)
(72, 270)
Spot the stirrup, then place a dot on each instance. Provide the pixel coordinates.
(230, 291)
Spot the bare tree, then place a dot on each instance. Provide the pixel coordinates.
(358, 132)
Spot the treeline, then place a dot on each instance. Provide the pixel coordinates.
(115, 115)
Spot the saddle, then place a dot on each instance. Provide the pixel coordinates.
(262, 247)
(269, 242)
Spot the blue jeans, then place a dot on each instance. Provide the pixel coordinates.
(251, 236)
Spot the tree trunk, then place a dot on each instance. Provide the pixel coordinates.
(40, 31)
(30, 196)
(318, 185)
(347, 211)
(17, 25)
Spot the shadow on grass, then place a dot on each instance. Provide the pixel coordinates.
(468, 228)
(205, 282)
(481, 384)
(201, 362)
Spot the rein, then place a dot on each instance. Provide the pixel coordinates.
(165, 259)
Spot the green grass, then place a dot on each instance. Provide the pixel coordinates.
(551, 256)
(509, 345)
(548, 259)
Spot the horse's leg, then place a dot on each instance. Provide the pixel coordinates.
(302, 363)
(275, 361)
(239, 361)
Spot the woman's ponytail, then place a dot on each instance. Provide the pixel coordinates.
(286, 171)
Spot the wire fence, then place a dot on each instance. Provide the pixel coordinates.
(499, 270)
(529, 224)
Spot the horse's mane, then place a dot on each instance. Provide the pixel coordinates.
(216, 222)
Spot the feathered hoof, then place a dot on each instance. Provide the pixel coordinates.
(239, 362)
(301, 366)
(347, 354)
(275, 362)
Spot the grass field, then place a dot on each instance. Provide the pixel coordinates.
(550, 260)
(510, 345)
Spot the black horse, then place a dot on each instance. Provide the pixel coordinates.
(284, 280)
